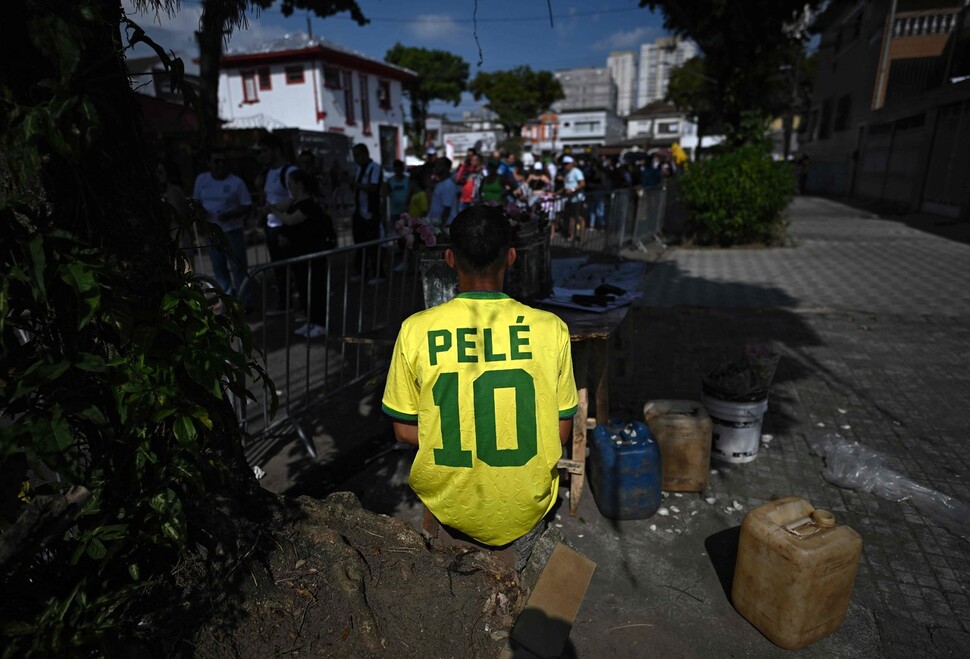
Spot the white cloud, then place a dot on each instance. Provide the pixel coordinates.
(171, 32)
(627, 38)
(177, 31)
(435, 27)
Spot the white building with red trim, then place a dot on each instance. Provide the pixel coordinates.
(316, 85)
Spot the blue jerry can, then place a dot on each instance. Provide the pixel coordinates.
(624, 470)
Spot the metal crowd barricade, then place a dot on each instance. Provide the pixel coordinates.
(625, 217)
(651, 208)
(361, 320)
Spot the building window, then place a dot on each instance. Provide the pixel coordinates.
(265, 80)
(586, 126)
(384, 94)
(346, 83)
(294, 74)
(668, 127)
(842, 113)
(331, 77)
(825, 122)
(364, 103)
(249, 87)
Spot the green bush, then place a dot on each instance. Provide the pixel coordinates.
(737, 197)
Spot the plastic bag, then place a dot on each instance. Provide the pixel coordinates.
(854, 466)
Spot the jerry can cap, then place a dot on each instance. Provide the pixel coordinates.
(816, 521)
(823, 518)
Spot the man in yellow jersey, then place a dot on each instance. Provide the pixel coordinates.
(483, 386)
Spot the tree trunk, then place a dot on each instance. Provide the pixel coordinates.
(210, 38)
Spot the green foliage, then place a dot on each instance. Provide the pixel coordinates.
(441, 75)
(749, 50)
(517, 95)
(125, 400)
(115, 374)
(737, 197)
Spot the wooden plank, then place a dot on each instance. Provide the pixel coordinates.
(543, 626)
(572, 466)
(577, 480)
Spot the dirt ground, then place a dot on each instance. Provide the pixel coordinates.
(345, 582)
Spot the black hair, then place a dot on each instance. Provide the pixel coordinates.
(301, 177)
(480, 238)
(442, 166)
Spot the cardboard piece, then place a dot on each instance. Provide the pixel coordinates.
(544, 624)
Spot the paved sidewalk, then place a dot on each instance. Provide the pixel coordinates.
(872, 318)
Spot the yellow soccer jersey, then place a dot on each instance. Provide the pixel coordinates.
(487, 379)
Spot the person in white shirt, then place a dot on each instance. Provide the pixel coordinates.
(528, 159)
(273, 183)
(574, 184)
(366, 224)
(227, 202)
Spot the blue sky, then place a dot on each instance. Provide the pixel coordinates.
(510, 33)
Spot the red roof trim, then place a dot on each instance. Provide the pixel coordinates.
(327, 55)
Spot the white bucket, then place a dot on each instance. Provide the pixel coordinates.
(737, 428)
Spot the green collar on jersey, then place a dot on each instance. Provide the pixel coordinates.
(484, 295)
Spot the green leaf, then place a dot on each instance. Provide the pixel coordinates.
(39, 374)
(39, 261)
(143, 456)
(170, 531)
(93, 414)
(17, 628)
(96, 549)
(184, 429)
(170, 301)
(91, 363)
(134, 571)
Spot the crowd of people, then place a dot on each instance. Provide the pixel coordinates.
(581, 181)
(294, 203)
(289, 201)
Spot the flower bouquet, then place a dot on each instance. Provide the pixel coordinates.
(408, 227)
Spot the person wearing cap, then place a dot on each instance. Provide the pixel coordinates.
(538, 182)
(575, 211)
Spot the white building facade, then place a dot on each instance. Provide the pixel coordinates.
(319, 87)
(588, 128)
(623, 69)
(657, 60)
(585, 88)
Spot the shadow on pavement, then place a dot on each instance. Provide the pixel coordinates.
(722, 549)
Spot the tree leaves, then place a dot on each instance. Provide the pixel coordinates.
(747, 45)
(517, 95)
(441, 75)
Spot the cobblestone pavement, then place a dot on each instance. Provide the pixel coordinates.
(872, 319)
